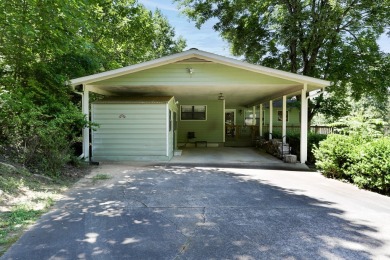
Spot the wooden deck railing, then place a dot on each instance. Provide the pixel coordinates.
(314, 129)
(246, 131)
(239, 130)
(319, 129)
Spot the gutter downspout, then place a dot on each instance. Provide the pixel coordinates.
(81, 156)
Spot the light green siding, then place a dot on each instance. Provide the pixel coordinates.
(293, 117)
(210, 130)
(130, 132)
(204, 74)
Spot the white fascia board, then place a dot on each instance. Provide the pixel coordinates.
(264, 70)
(131, 69)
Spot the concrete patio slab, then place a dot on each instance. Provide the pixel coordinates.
(239, 157)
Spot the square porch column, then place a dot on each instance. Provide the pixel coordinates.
(270, 118)
(304, 124)
(284, 119)
(254, 115)
(261, 120)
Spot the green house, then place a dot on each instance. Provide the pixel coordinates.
(189, 98)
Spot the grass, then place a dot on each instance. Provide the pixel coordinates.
(24, 197)
(14, 222)
(99, 177)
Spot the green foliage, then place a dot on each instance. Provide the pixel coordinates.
(333, 155)
(370, 167)
(45, 43)
(38, 136)
(15, 221)
(360, 152)
(100, 177)
(334, 40)
(124, 32)
(364, 120)
(365, 162)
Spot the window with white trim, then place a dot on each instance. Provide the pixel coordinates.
(280, 115)
(193, 112)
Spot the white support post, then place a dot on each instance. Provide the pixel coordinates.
(85, 110)
(167, 122)
(253, 127)
(224, 120)
(284, 120)
(254, 115)
(261, 120)
(304, 124)
(270, 119)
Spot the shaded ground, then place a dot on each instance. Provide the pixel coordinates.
(24, 197)
(210, 213)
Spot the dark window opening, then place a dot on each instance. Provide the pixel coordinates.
(193, 112)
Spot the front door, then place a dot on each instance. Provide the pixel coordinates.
(230, 122)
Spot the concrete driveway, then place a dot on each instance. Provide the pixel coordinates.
(170, 212)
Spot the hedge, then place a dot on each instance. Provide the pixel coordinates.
(365, 162)
(370, 167)
(38, 137)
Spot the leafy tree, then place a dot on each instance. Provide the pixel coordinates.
(45, 43)
(123, 32)
(329, 39)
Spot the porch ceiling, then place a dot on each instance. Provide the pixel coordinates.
(234, 94)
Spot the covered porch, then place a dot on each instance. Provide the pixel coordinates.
(205, 86)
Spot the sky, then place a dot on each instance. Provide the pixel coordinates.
(206, 39)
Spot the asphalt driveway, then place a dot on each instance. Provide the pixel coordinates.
(170, 212)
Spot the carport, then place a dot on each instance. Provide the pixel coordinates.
(204, 85)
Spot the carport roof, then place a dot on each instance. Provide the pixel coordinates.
(290, 83)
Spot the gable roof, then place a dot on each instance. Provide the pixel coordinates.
(242, 83)
(195, 55)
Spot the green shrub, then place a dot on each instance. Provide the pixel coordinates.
(365, 162)
(38, 136)
(333, 156)
(370, 167)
